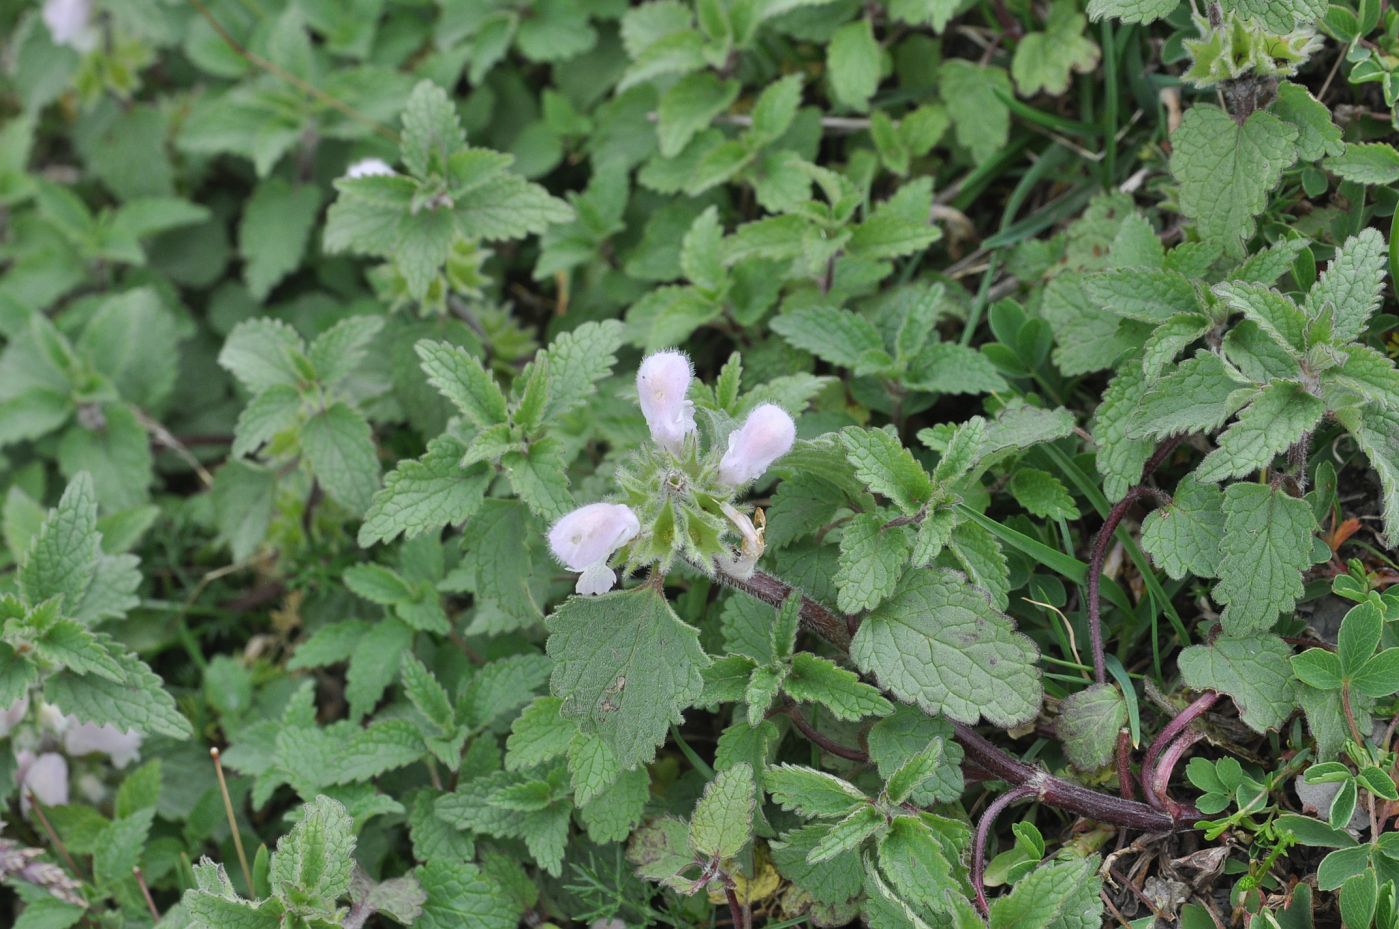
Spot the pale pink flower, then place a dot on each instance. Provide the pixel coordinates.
(45, 776)
(662, 382)
(765, 436)
(85, 738)
(369, 167)
(70, 24)
(13, 716)
(584, 539)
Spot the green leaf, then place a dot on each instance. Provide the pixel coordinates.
(1377, 432)
(538, 734)
(1319, 668)
(897, 738)
(427, 694)
(337, 352)
(460, 894)
(886, 467)
(914, 772)
(262, 354)
(919, 866)
(1267, 544)
(690, 105)
(834, 335)
(626, 667)
(811, 793)
(941, 644)
(847, 834)
(872, 560)
(1089, 721)
(1046, 60)
(1280, 15)
(425, 494)
(138, 702)
(775, 109)
(210, 911)
(577, 361)
(1043, 494)
(1281, 414)
(1198, 396)
(1121, 456)
(1253, 670)
(508, 207)
(1378, 677)
(1061, 894)
(244, 496)
(1317, 134)
(1183, 537)
(1366, 163)
(65, 550)
(901, 225)
(1275, 313)
(273, 232)
(818, 680)
(268, 415)
(311, 866)
(1145, 295)
(462, 379)
(1349, 290)
(975, 96)
(853, 64)
(1226, 170)
(1131, 11)
(339, 447)
(422, 246)
(431, 132)
(723, 820)
(1358, 636)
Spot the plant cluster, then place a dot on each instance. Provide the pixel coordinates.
(699, 463)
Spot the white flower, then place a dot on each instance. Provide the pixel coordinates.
(662, 382)
(70, 23)
(369, 167)
(45, 776)
(13, 716)
(85, 738)
(584, 539)
(765, 436)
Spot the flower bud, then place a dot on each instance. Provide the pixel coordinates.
(369, 167)
(45, 776)
(662, 382)
(584, 539)
(70, 24)
(85, 738)
(765, 436)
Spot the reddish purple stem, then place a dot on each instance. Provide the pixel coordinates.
(1174, 728)
(983, 831)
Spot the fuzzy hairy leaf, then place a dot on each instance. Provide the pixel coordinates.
(1226, 170)
(1253, 670)
(626, 667)
(943, 645)
(1266, 546)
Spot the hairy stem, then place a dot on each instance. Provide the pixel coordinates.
(1124, 764)
(1174, 728)
(1056, 792)
(1100, 552)
(827, 744)
(1161, 776)
(983, 831)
